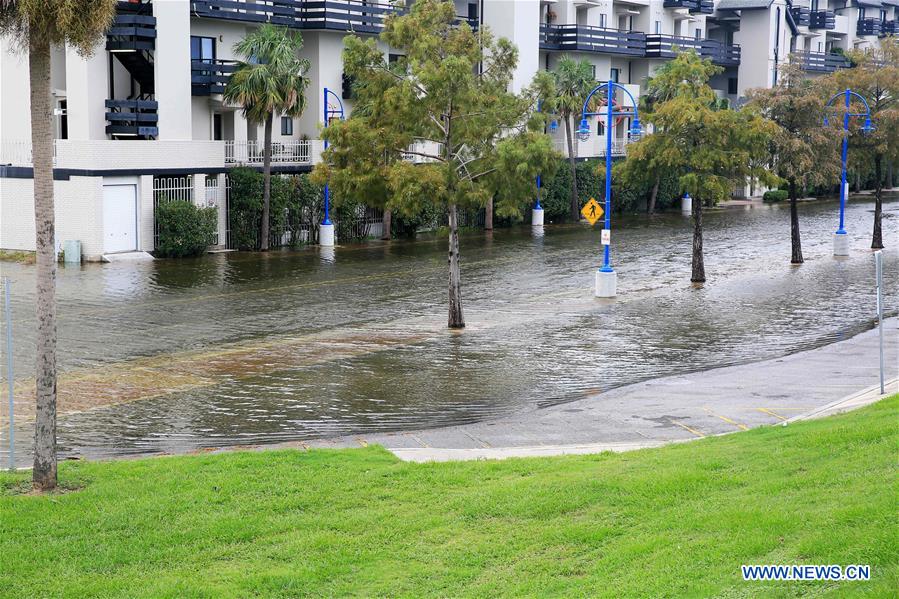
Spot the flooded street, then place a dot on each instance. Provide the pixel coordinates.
(236, 348)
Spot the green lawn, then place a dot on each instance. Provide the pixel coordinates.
(664, 522)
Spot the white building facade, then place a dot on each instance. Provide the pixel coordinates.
(144, 116)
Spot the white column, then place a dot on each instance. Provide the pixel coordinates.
(172, 59)
(87, 89)
(147, 214)
(222, 202)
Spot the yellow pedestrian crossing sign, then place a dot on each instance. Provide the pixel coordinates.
(592, 211)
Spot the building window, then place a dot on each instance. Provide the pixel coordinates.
(600, 127)
(217, 126)
(286, 125)
(820, 46)
(602, 20)
(698, 34)
(861, 13)
(613, 75)
(814, 5)
(732, 86)
(593, 71)
(658, 27)
(202, 48)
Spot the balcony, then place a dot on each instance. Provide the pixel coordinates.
(210, 77)
(801, 15)
(251, 152)
(691, 5)
(822, 19)
(132, 118)
(868, 27)
(667, 46)
(704, 7)
(890, 28)
(131, 32)
(277, 12)
(820, 62)
(581, 38)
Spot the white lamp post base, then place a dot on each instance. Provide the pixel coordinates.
(606, 284)
(840, 244)
(686, 205)
(537, 217)
(326, 235)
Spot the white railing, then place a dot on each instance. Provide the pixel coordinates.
(414, 152)
(594, 150)
(18, 153)
(251, 152)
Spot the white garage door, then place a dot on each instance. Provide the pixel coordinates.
(119, 218)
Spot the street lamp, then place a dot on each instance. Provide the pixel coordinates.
(537, 213)
(606, 277)
(326, 229)
(840, 238)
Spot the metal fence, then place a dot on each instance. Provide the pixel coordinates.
(169, 189)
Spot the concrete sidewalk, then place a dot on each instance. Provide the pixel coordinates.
(672, 409)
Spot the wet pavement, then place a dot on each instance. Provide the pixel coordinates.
(171, 356)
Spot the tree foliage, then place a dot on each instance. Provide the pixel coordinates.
(78, 23)
(446, 105)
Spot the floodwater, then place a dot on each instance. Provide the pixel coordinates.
(243, 348)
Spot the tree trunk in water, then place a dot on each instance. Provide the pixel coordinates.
(877, 238)
(44, 471)
(386, 223)
(456, 321)
(488, 215)
(795, 240)
(575, 207)
(266, 184)
(651, 208)
(698, 275)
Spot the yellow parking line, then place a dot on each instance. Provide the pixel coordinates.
(685, 427)
(769, 412)
(742, 427)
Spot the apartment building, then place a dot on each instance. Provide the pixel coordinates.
(144, 118)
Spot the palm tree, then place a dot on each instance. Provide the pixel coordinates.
(37, 25)
(271, 78)
(573, 81)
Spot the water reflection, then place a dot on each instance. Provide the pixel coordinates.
(298, 344)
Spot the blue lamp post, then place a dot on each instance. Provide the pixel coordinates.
(606, 278)
(326, 229)
(537, 213)
(840, 238)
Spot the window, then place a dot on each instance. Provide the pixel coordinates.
(698, 34)
(820, 46)
(861, 13)
(593, 71)
(729, 37)
(217, 126)
(613, 75)
(202, 48)
(658, 27)
(600, 127)
(602, 20)
(732, 86)
(286, 125)
(814, 5)
(473, 10)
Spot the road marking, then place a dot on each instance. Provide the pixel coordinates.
(362, 441)
(483, 443)
(769, 412)
(742, 427)
(685, 427)
(419, 441)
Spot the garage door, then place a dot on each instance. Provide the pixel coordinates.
(119, 218)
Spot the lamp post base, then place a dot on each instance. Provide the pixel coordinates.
(326, 235)
(606, 283)
(841, 244)
(537, 217)
(686, 205)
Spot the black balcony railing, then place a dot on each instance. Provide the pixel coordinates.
(132, 118)
(705, 7)
(890, 28)
(278, 12)
(210, 76)
(131, 32)
(592, 39)
(689, 4)
(820, 62)
(667, 46)
(868, 27)
(801, 15)
(822, 19)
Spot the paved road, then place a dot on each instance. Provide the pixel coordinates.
(664, 410)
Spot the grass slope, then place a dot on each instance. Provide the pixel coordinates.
(674, 521)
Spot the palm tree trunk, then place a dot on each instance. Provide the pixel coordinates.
(266, 183)
(575, 203)
(795, 240)
(456, 321)
(877, 238)
(488, 215)
(651, 208)
(44, 471)
(698, 275)
(386, 223)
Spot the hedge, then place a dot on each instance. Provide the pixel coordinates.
(184, 229)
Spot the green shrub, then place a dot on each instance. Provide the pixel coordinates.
(184, 229)
(775, 195)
